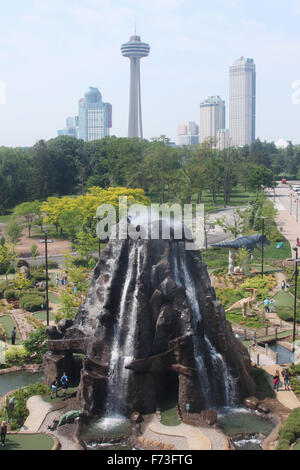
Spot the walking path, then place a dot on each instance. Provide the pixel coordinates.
(285, 397)
(196, 438)
(38, 409)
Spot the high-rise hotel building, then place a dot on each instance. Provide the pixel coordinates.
(212, 117)
(242, 102)
(95, 117)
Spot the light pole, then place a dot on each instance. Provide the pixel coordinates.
(296, 260)
(263, 243)
(46, 233)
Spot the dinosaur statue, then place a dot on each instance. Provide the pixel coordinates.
(244, 303)
(249, 242)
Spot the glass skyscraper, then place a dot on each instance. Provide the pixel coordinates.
(242, 102)
(95, 117)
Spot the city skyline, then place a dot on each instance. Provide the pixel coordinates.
(58, 50)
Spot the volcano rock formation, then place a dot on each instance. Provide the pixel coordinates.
(151, 326)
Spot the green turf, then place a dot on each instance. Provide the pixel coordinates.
(272, 252)
(42, 316)
(28, 442)
(283, 299)
(53, 299)
(169, 416)
(7, 322)
(47, 398)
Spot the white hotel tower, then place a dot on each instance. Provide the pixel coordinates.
(242, 102)
(135, 50)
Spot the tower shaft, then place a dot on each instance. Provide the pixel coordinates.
(135, 128)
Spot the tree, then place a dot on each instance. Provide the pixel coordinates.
(36, 345)
(234, 224)
(260, 176)
(14, 232)
(86, 244)
(34, 251)
(30, 211)
(7, 257)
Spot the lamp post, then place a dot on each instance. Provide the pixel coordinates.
(46, 233)
(296, 260)
(263, 243)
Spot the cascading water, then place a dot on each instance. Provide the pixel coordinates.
(123, 347)
(220, 378)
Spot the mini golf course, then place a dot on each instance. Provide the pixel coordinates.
(28, 442)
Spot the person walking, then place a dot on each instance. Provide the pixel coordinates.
(54, 388)
(3, 433)
(65, 383)
(283, 285)
(13, 336)
(286, 379)
(57, 280)
(272, 303)
(276, 381)
(266, 304)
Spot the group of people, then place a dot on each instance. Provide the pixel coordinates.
(286, 379)
(63, 281)
(64, 381)
(269, 304)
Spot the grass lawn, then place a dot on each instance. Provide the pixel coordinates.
(53, 299)
(8, 324)
(248, 322)
(271, 252)
(5, 218)
(70, 391)
(28, 442)
(42, 316)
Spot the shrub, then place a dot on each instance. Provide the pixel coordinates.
(12, 294)
(36, 345)
(39, 276)
(18, 413)
(283, 445)
(32, 302)
(15, 356)
(51, 265)
(290, 431)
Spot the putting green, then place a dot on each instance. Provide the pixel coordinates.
(28, 442)
(42, 316)
(7, 322)
(53, 299)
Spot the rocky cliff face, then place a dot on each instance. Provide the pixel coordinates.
(151, 326)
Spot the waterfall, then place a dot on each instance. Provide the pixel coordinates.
(220, 370)
(123, 347)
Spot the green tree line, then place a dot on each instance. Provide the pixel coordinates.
(67, 166)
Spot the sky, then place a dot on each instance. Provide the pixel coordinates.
(51, 51)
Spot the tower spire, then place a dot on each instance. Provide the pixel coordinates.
(135, 50)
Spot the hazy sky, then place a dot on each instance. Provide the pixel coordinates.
(51, 51)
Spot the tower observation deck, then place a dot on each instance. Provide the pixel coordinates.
(135, 50)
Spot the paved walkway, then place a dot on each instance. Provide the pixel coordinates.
(285, 397)
(196, 439)
(38, 409)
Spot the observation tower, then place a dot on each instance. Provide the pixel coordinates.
(135, 50)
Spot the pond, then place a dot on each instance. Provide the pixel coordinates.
(15, 380)
(239, 422)
(284, 355)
